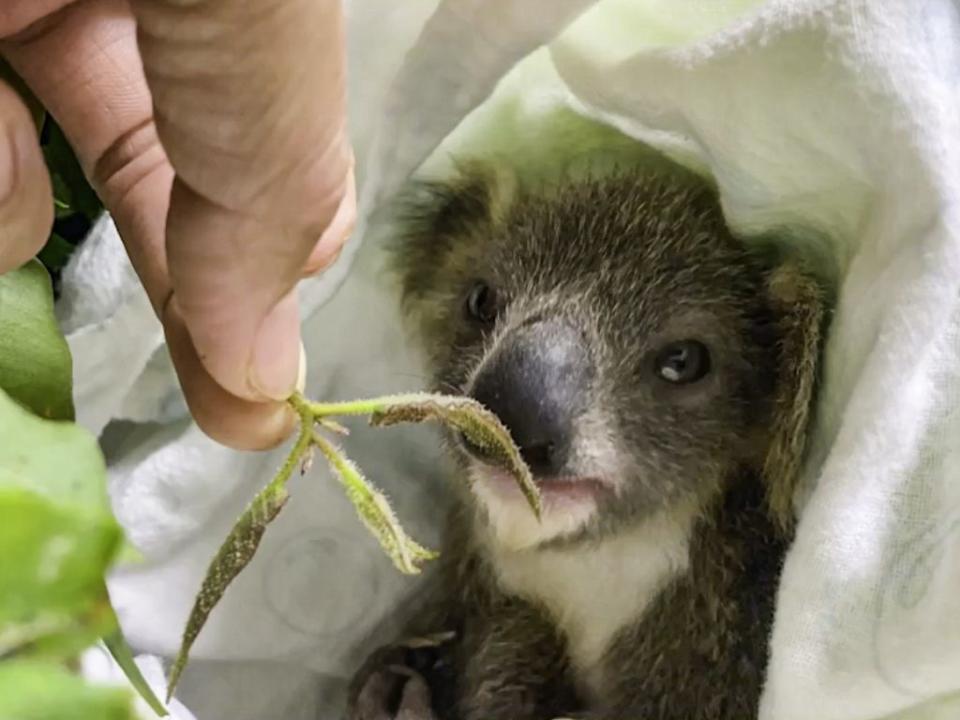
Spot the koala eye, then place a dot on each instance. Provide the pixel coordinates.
(482, 303)
(683, 362)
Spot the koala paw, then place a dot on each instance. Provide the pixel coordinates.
(393, 684)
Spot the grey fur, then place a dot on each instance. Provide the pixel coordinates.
(632, 261)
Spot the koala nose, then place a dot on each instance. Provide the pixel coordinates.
(536, 382)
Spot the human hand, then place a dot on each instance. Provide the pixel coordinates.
(218, 144)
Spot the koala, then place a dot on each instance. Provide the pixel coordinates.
(657, 376)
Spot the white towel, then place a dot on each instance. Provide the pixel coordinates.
(840, 117)
(844, 116)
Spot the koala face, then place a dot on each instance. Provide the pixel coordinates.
(621, 334)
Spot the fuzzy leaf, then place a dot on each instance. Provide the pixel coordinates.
(32, 690)
(234, 555)
(375, 512)
(35, 364)
(479, 426)
(241, 545)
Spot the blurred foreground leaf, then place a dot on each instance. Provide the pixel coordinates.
(31, 690)
(57, 538)
(35, 364)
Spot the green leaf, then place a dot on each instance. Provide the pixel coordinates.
(59, 460)
(35, 364)
(240, 546)
(57, 537)
(53, 600)
(375, 511)
(57, 541)
(62, 197)
(32, 690)
(234, 555)
(117, 645)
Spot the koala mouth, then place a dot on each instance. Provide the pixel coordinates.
(559, 494)
(554, 486)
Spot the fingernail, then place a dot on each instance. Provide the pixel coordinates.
(277, 359)
(302, 371)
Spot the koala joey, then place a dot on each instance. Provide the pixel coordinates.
(657, 375)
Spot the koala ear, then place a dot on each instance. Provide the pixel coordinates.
(798, 305)
(477, 193)
(433, 219)
(492, 186)
(430, 218)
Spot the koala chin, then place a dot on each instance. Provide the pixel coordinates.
(657, 375)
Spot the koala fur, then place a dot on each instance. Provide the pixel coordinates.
(647, 591)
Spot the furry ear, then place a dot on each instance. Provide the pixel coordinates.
(477, 192)
(487, 186)
(431, 217)
(798, 305)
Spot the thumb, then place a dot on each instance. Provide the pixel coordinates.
(239, 302)
(251, 113)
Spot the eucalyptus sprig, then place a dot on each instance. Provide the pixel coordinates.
(477, 425)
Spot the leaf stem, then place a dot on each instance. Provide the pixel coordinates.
(300, 447)
(357, 407)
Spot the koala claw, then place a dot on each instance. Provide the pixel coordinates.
(394, 693)
(392, 684)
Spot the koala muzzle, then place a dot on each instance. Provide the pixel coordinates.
(537, 381)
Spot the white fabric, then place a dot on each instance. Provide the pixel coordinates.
(833, 118)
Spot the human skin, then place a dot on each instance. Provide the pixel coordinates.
(214, 132)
